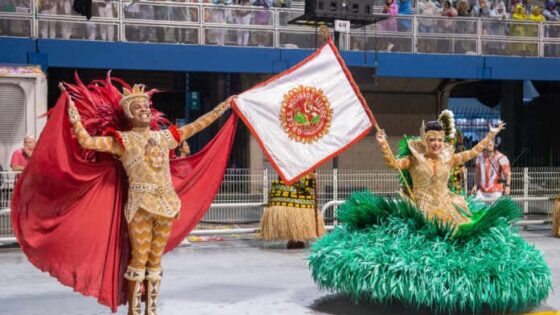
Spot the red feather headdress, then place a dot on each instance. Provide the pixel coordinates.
(98, 105)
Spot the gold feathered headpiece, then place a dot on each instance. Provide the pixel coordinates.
(431, 133)
(137, 92)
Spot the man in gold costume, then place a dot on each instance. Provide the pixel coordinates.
(430, 165)
(152, 201)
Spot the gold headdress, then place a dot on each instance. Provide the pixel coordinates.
(137, 92)
(435, 133)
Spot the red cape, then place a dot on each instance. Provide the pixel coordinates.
(67, 212)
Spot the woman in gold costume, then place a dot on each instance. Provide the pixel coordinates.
(430, 165)
(434, 250)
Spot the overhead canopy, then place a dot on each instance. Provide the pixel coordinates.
(471, 108)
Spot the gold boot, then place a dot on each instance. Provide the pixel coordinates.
(134, 298)
(135, 278)
(153, 281)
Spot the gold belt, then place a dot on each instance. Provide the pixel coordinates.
(151, 188)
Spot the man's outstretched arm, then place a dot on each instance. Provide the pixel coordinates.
(204, 121)
(101, 144)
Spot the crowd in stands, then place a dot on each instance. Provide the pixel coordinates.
(224, 12)
(522, 17)
(526, 10)
(256, 13)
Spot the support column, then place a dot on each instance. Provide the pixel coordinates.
(512, 114)
(187, 87)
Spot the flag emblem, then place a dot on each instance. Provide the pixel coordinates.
(305, 114)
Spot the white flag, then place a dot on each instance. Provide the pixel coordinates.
(307, 114)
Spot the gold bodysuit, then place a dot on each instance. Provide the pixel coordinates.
(430, 183)
(145, 157)
(146, 161)
(430, 189)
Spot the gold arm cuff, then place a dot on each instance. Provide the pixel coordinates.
(73, 114)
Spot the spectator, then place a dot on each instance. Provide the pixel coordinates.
(428, 9)
(404, 7)
(448, 9)
(481, 9)
(463, 8)
(162, 13)
(392, 9)
(536, 16)
(498, 28)
(404, 25)
(48, 29)
(519, 29)
(552, 30)
(132, 11)
(91, 30)
(262, 17)
(243, 17)
(500, 13)
(533, 30)
(136, 10)
(550, 12)
(20, 157)
(182, 35)
(465, 26)
(219, 15)
(147, 12)
(390, 24)
(105, 9)
(448, 25)
(491, 167)
(519, 12)
(66, 28)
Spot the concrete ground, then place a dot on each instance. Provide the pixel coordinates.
(226, 277)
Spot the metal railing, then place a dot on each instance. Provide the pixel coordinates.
(238, 206)
(333, 204)
(183, 22)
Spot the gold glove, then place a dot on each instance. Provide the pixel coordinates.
(73, 113)
(389, 158)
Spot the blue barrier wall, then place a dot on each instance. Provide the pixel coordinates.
(187, 58)
(16, 50)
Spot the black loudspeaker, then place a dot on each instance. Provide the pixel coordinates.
(340, 9)
(358, 12)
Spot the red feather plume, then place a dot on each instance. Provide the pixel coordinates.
(99, 108)
(98, 105)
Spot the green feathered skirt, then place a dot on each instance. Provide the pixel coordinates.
(385, 251)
